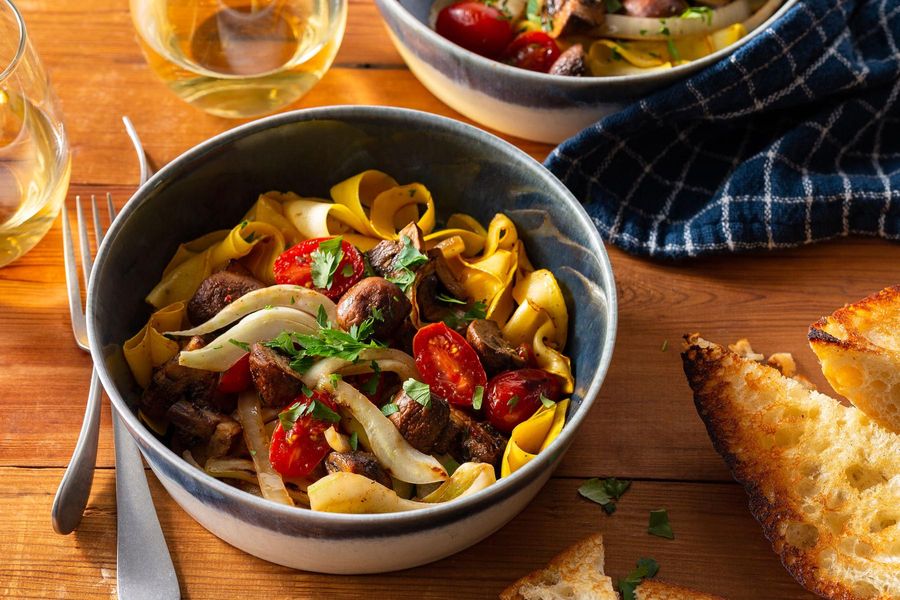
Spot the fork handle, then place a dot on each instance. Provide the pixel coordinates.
(75, 487)
(145, 569)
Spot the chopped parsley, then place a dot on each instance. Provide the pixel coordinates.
(513, 400)
(408, 258)
(389, 409)
(322, 317)
(293, 300)
(663, 28)
(418, 391)
(242, 345)
(354, 440)
(347, 271)
(334, 378)
(302, 349)
(673, 51)
(450, 299)
(478, 311)
(646, 567)
(325, 261)
(699, 12)
(377, 314)
(547, 402)
(604, 492)
(478, 397)
(371, 385)
(315, 409)
(659, 524)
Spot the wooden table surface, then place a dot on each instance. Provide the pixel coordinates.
(643, 428)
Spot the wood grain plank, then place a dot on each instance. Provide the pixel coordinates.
(718, 547)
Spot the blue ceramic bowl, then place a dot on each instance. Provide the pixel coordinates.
(212, 185)
(530, 105)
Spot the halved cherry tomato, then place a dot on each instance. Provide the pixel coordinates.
(237, 377)
(448, 364)
(294, 266)
(297, 453)
(532, 50)
(513, 396)
(475, 26)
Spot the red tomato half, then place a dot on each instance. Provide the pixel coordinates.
(294, 266)
(532, 50)
(237, 377)
(448, 364)
(477, 27)
(513, 396)
(297, 453)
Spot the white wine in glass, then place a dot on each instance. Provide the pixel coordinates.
(34, 155)
(240, 58)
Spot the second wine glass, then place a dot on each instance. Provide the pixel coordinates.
(240, 58)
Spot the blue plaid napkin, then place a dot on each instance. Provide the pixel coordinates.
(793, 139)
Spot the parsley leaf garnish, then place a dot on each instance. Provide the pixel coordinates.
(302, 349)
(325, 261)
(315, 409)
(604, 492)
(377, 314)
(478, 311)
(418, 391)
(513, 400)
(242, 345)
(354, 440)
(389, 409)
(408, 257)
(322, 317)
(347, 271)
(449, 299)
(321, 411)
(673, 51)
(547, 402)
(371, 385)
(646, 567)
(290, 416)
(478, 397)
(659, 524)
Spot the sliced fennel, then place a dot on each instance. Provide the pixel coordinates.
(289, 296)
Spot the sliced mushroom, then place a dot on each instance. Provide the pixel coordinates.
(572, 16)
(571, 63)
(655, 9)
(218, 291)
(172, 382)
(495, 352)
(359, 462)
(275, 380)
(374, 297)
(421, 426)
(478, 442)
(218, 430)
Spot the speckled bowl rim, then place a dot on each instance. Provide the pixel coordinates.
(390, 523)
(567, 82)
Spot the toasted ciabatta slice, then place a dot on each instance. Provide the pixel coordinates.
(652, 589)
(859, 348)
(823, 479)
(574, 574)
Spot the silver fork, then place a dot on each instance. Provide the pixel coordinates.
(145, 567)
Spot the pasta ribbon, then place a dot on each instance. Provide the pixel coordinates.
(388, 204)
(531, 437)
(149, 348)
(196, 260)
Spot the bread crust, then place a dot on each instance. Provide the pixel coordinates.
(654, 589)
(740, 432)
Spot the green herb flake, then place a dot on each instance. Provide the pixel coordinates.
(409, 256)
(449, 463)
(371, 385)
(673, 51)
(663, 28)
(478, 397)
(289, 416)
(377, 314)
(646, 568)
(513, 401)
(659, 524)
(389, 409)
(242, 345)
(320, 411)
(604, 492)
(244, 224)
(613, 6)
(354, 440)
(253, 453)
(403, 279)
(322, 317)
(547, 402)
(217, 347)
(293, 300)
(250, 237)
(347, 271)
(418, 391)
(449, 299)
(643, 32)
(334, 378)
(616, 55)
(325, 261)
(699, 12)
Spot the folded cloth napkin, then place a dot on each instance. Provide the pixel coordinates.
(793, 139)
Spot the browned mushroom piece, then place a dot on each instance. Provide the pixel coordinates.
(571, 63)
(427, 307)
(359, 462)
(218, 291)
(218, 430)
(172, 382)
(572, 16)
(374, 297)
(495, 352)
(419, 425)
(383, 256)
(478, 442)
(275, 380)
(656, 9)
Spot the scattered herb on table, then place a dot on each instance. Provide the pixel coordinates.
(646, 568)
(605, 492)
(659, 524)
